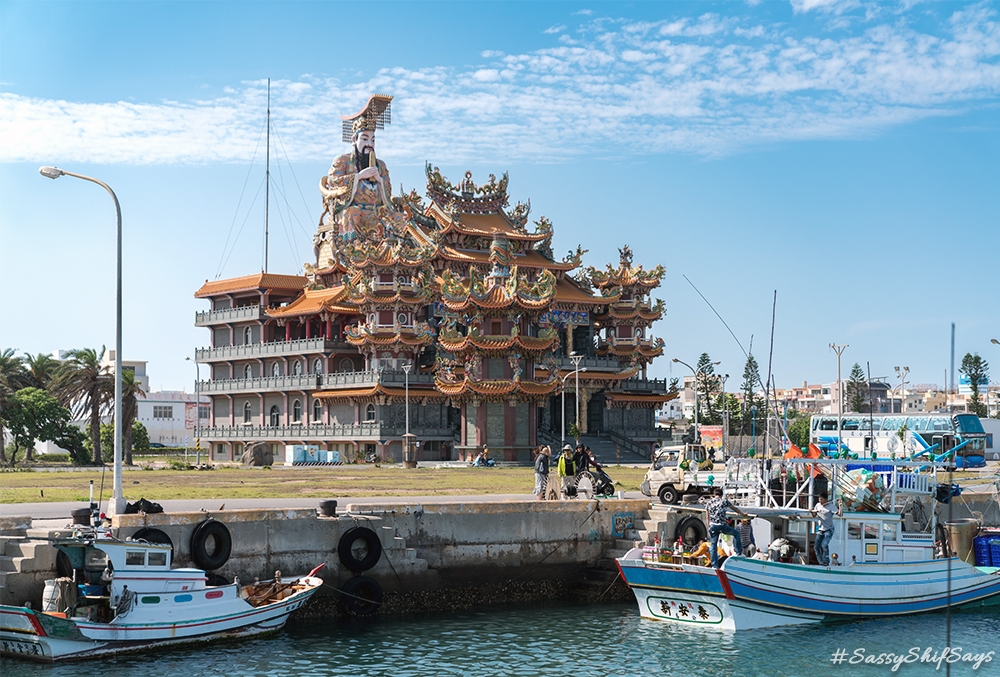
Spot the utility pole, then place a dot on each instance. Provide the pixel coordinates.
(839, 349)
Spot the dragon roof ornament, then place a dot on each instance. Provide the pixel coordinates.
(467, 197)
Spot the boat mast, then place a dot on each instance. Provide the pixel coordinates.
(267, 174)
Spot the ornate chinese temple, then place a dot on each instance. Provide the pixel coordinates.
(447, 313)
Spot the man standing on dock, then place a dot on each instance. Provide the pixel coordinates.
(717, 509)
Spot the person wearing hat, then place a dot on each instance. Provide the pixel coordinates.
(567, 470)
(541, 471)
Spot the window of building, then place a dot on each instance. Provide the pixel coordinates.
(246, 412)
(248, 371)
(317, 411)
(370, 412)
(318, 366)
(163, 411)
(204, 411)
(276, 369)
(403, 319)
(346, 365)
(296, 411)
(496, 327)
(385, 318)
(247, 335)
(297, 367)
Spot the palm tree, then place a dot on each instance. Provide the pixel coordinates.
(84, 387)
(131, 392)
(12, 378)
(41, 369)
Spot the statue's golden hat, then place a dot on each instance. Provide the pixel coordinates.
(375, 115)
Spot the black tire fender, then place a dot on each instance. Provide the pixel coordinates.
(359, 549)
(691, 530)
(151, 535)
(362, 595)
(211, 545)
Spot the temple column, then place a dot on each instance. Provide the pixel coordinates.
(569, 339)
(232, 411)
(288, 330)
(285, 415)
(263, 414)
(329, 330)
(308, 328)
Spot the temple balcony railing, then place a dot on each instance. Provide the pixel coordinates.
(262, 384)
(652, 385)
(273, 349)
(369, 431)
(591, 363)
(207, 318)
(355, 379)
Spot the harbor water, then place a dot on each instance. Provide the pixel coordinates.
(565, 640)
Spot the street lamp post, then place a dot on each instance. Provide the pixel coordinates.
(901, 373)
(725, 418)
(117, 504)
(409, 442)
(406, 386)
(839, 348)
(996, 343)
(576, 372)
(697, 434)
(197, 420)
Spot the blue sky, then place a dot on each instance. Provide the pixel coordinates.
(845, 154)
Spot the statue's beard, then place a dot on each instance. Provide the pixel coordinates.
(363, 157)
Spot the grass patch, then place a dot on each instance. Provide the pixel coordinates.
(350, 481)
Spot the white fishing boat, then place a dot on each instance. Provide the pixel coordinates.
(124, 596)
(884, 560)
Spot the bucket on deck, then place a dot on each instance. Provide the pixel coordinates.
(961, 534)
(50, 596)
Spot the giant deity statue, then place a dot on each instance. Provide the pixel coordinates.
(357, 191)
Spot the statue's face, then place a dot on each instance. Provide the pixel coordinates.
(364, 142)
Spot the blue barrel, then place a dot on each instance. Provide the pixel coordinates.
(995, 551)
(981, 544)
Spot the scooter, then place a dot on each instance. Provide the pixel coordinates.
(600, 480)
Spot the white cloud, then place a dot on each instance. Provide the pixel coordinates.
(554, 29)
(704, 85)
(583, 12)
(834, 6)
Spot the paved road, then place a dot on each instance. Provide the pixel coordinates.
(59, 510)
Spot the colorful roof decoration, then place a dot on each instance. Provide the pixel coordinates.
(315, 301)
(626, 275)
(517, 289)
(379, 392)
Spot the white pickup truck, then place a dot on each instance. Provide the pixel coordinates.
(676, 471)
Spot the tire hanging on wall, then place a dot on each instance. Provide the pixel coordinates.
(359, 549)
(211, 545)
(691, 530)
(151, 535)
(362, 595)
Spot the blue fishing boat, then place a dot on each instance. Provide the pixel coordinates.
(884, 559)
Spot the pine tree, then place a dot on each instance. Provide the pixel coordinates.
(977, 370)
(751, 382)
(706, 383)
(856, 390)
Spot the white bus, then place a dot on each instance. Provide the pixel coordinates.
(934, 433)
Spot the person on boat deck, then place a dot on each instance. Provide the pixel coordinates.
(566, 469)
(717, 526)
(746, 534)
(825, 529)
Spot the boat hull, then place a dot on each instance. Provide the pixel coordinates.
(29, 634)
(749, 593)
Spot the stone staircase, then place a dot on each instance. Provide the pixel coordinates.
(26, 562)
(606, 451)
(602, 581)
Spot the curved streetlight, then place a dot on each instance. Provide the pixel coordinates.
(695, 372)
(117, 504)
(838, 348)
(197, 420)
(576, 363)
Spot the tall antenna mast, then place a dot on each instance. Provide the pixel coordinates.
(267, 174)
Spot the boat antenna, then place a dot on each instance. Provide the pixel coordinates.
(267, 174)
(100, 495)
(871, 405)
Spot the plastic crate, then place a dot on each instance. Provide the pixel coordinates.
(995, 551)
(981, 545)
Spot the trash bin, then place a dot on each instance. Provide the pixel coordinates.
(409, 450)
(961, 534)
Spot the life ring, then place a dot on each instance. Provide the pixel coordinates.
(211, 545)
(359, 549)
(691, 530)
(362, 595)
(151, 535)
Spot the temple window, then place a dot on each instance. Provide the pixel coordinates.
(385, 318)
(248, 371)
(276, 369)
(403, 319)
(275, 415)
(346, 365)
(318, 366)
(296, 411)
(496, 327)
(247, 412)
(317, 411)
(247, 335)
(297, 367)
(370, 412)
(384, 279)
(625, 331)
